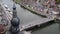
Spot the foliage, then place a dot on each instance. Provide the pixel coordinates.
(57, 1)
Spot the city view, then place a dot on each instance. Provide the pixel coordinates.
(29, 16)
